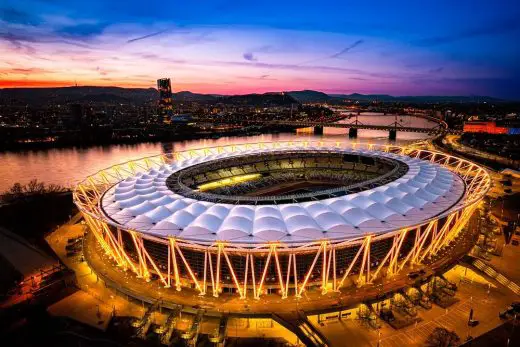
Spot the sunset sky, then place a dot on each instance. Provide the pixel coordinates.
(443, 47)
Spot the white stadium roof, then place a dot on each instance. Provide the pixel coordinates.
(144, 203)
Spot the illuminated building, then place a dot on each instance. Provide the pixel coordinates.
(280, 218)
(165, 98)
(491, 127)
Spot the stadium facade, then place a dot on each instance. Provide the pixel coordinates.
(280, 218)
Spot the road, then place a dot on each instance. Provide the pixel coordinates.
(454, 142)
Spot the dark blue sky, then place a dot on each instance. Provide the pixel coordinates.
(394, 47)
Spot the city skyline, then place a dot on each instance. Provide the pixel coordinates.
(227, 47)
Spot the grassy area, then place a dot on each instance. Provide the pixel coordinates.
(35, 216)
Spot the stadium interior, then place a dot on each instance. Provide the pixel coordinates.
(285, 176)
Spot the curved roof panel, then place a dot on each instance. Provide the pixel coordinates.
(145, 204)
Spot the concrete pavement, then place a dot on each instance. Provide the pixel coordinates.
(472, 294)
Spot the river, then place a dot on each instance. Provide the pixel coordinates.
(67, 166)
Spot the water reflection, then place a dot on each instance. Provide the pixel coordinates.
(67, 166)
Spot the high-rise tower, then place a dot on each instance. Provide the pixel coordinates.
(165, 98)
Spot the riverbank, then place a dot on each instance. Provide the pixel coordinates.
(89, 138)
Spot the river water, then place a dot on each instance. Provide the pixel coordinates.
(67, 166)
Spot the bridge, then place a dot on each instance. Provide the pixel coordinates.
(440, 128)
(14, 134)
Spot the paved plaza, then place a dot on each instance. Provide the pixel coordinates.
(474, 292)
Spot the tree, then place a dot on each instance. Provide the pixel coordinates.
(30, 190)
(34, 187)
(441, 337)
(16, 189)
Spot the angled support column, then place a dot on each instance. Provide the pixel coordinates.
(332, 254)
(458, 225)
(437, 240)
(253, 281)
(233, 275)
(302, 288)
(95, 231)
(213, 283)
(365, 278)
(279, 271)
(152, 262)
(324, 268)
(217, 279)
(264, 273)
(244, 285)
(175, 265)
(295, 274)
(334, 283)
(392, 256)
(122, 258)
(393, 265)
(169, 277)
(417, 249)
(289, 264)
(118, 244)
(143, 267)
(347, 272)
(204, 283)
(190, 271)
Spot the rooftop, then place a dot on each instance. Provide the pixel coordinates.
(146, 203)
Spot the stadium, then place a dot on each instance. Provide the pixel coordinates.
(278, 219)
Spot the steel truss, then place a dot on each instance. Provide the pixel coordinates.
(429, 238)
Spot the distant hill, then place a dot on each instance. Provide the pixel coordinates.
(266, 99)
(316, 96)
(189, 96)
(64, 95)
(102, 98)
(363, 97)
(76, 94)
(309, 96)
(414, 99)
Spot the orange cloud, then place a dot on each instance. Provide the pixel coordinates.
(12, 83)
(28, 83)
